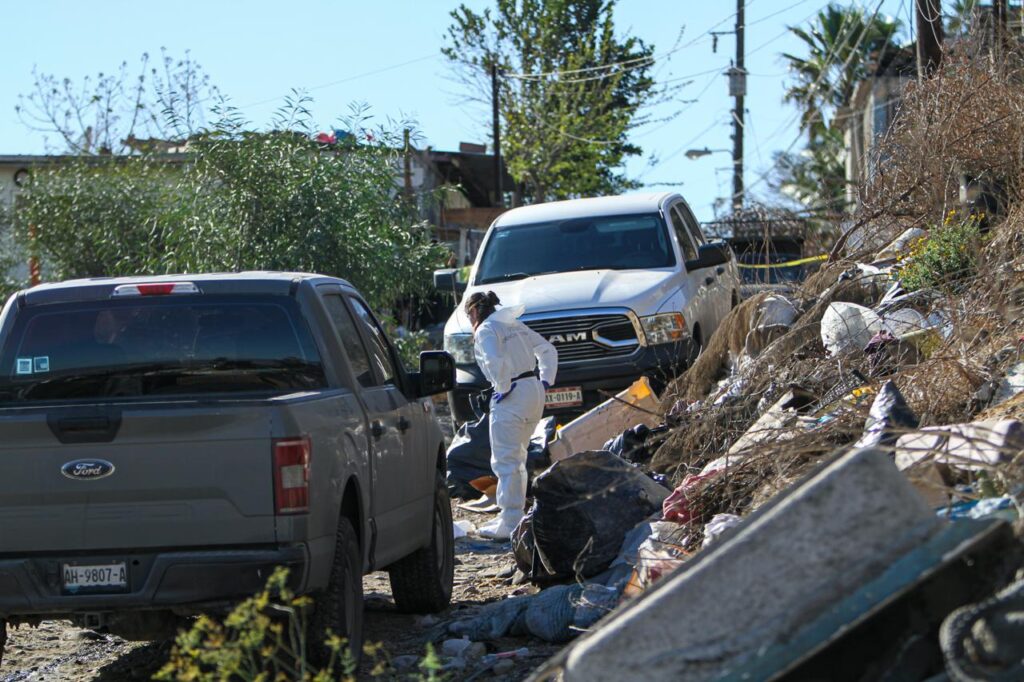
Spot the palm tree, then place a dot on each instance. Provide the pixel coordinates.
(839, 42)
(962, 16)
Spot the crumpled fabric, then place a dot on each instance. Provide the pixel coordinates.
(677, 507)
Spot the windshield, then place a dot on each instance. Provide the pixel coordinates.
(624, 242)
(156, 346)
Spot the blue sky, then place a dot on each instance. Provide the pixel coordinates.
(258, 51)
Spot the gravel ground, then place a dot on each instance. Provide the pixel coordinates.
(56, 650)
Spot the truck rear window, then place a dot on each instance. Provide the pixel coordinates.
(166, 345)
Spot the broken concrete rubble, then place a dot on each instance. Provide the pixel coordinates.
(858, 513)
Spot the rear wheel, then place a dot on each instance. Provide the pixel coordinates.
(338, 608)
(422, 582)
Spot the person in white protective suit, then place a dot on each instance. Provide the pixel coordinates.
(520, 364)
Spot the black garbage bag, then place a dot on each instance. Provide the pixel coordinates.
(584, 506)
(469, 455)
(888, 419)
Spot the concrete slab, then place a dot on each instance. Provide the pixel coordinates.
(783, 568)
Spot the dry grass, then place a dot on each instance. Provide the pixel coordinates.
(967, 120)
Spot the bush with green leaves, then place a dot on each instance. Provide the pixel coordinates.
(264, 639)
(240, 200)
(948, 254)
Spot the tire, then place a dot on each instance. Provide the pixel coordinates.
(339, 607)
(461, 409)
(3, 638)
(422, 582)
(696, 347)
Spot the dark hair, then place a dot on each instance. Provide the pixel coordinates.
(484, 304)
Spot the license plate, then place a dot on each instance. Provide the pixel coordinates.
(95, 577)
(569, 396)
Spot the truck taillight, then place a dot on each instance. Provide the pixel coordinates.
(155, 289)
(291, 475)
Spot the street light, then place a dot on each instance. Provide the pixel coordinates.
(697, 153)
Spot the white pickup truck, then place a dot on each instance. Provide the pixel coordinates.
(624, 287)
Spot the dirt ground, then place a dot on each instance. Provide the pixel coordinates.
(56, 650)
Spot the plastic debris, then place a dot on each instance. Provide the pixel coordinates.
(463, 528)
(1010, 385)
(889, 416)
(889, 354)
(846, 327)
(661, 553)
(718, 524)
(773, 425)
(559, 613)
(631, 444)
(988, 508)
(455, 647)
(583, 508)
(974, 446)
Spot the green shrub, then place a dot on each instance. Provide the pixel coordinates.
(264, 639)
(949, 253)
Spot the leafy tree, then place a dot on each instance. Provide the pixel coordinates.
(839, 43)
(571, 90)
(147, 110)
(243, 200)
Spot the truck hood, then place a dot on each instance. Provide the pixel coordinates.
(642, 291)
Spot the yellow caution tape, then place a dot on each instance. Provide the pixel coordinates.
(802, 261)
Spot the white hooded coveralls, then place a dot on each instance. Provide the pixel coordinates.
(506, 348)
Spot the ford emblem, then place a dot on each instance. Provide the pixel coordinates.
(87, 469)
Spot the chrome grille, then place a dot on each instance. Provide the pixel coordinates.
(575, 337)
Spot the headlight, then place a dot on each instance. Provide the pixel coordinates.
(460, 346)
(664, 328)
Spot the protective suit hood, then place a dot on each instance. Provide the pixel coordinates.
(508, 313)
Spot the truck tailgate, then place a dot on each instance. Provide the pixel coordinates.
(182, 477)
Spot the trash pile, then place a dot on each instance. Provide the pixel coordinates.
(641, 495)
(841, 477)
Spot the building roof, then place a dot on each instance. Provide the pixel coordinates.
(625, 204)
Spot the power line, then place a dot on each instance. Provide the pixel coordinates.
(853, 52)
(351, 78)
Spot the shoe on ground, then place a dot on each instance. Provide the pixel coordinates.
(495, 530)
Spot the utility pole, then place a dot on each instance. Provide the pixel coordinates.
(738, 88)
(1000, 33)
(407, 164)
(929, 37)
(499, 193)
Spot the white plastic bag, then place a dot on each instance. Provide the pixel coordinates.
(846, 327)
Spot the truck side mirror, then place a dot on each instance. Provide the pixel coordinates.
(710, 255)
(447, 281)
(436, 375)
